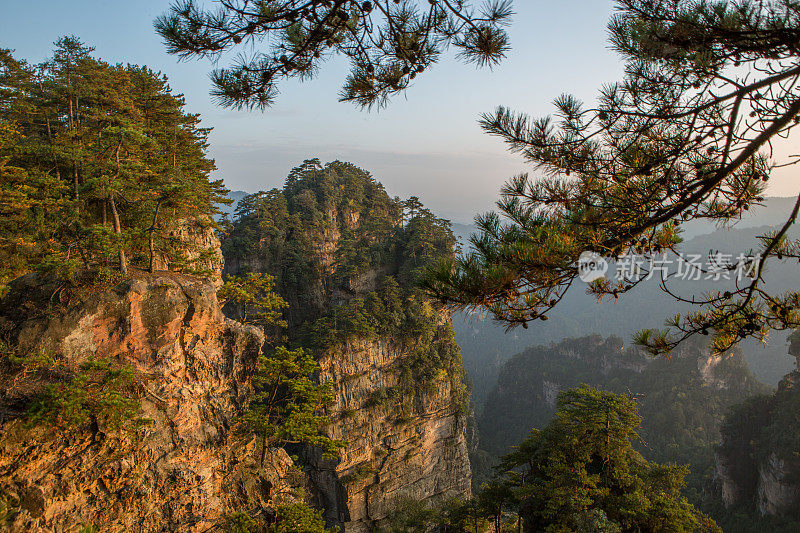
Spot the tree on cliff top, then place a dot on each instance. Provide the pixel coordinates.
(687, 135)
(326, 229)
(388, 43)
(97, 161)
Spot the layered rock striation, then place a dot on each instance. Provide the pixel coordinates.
(403, 444)
(757, 463)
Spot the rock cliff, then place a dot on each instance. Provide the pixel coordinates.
(177, 463)
(181, 468)
(402, 443)
(345, 256)
(778, 490)
(757, 460)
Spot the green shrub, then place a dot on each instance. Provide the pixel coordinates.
(383, 397)
(39, 360)
(292, 518)
(97, 390)
(9, 508)
(64, 269)
(109, 276)
(298, 517)
(360, 473)
(347, 414)
(241, 523)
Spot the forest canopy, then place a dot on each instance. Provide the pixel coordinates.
(330, 228)
(98, 164)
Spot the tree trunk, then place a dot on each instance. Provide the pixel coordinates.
(152, 231)
(519, 507)
(73, 128)
(75, 187)
(123, 262)
(52, 151)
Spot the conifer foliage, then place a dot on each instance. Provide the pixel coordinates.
(98, 163)
(287, 405)
(253, 297)
(581, 473)
(388, 42)
(687, 134)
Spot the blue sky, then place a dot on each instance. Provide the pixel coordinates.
(426, 144)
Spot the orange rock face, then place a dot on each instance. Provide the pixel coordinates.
(183, 470)
(409, 448)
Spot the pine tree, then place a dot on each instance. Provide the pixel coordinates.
(581, 473)
(178, 170)
(32, 200)
(71, 65)
(291, 518)
(685, 136)
(97, 161)
(388, 43)
(493, 499)
(253, 296)
(287, 406)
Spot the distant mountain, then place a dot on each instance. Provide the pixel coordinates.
(486, 344)
(774, 211)
(463, 231)
(235, 196)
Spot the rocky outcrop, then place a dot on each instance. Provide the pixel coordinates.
(767, 483)
(550, 392)
(730, 491)
(405, 441)
(794, 348)
(181, 467)
(332, 237)
(715, 369)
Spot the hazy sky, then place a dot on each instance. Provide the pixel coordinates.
(427, 144)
